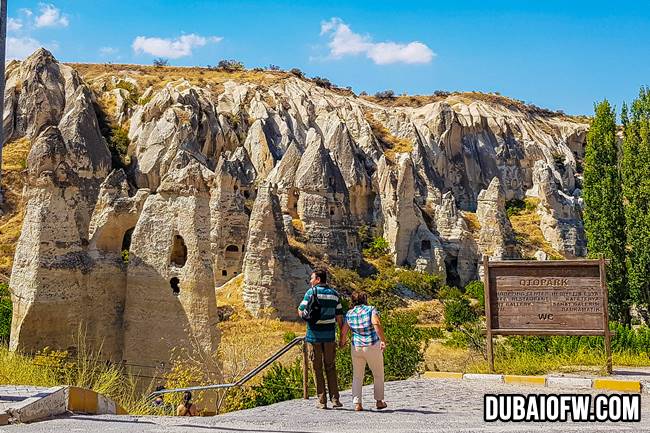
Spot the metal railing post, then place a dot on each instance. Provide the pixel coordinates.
(305, 372)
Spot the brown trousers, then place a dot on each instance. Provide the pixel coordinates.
(323, 357)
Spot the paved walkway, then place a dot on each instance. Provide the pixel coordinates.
(414, 406)
(15, 395)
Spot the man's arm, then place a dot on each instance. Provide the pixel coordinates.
(303, 304)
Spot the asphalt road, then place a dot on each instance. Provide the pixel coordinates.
(414, 406)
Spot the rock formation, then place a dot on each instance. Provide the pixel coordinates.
(255, 176)
(273, 277)
(496, 238)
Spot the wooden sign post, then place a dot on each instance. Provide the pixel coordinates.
(562, 297)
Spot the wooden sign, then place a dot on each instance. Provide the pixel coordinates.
(561, 297)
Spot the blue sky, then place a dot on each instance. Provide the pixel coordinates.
(555, 54)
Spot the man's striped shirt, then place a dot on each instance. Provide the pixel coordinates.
(324, 330)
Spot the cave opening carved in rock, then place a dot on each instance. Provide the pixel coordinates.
(179, 252)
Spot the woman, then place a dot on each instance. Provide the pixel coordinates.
(368, 344)
(187, 408)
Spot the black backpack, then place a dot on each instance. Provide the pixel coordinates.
(313, 308)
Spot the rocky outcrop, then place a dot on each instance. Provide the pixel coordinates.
(561, 220)
(225, 177)
(273, 277)
(52, 292)
(404, 228)
(324, 205)
(496, 238)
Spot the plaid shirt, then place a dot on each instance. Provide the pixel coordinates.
(359, 319)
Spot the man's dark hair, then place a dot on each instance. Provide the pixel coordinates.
(321, 274)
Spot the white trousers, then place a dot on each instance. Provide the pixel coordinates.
(375, 359)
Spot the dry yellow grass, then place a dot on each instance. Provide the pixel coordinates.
(14, 161)
(158, 77)
(528, 232)
(247, 341)
(428, 312)
(393, 145)
(439, 357)
(471, 220)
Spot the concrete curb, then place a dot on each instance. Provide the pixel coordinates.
(599, 383)
(57, 401)
(83, 400)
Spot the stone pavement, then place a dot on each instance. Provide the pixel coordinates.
(14, 395)
(414, 406)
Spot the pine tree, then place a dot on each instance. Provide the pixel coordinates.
(604, 215)
(635, 169)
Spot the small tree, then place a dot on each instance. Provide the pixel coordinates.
(322, 82)
(386, 94)
(230, 65)
(604, 212)
(273, 67)
(297, 72)
(160, 62)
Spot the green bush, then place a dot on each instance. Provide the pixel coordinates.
(6, 310)
(475, 290)
(457, 308)
(280, 383)
(377, 248)
(404, 352)
(624, 340)
(230, 65)
(118, 145)
(515, 207)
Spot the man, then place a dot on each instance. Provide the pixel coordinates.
(321, 337)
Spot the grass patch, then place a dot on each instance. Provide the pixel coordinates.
(526, 226)
(85, 369)
(14, 162)
(392, 144)
(473, 224)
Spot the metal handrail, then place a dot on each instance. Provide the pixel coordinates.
(246, 377)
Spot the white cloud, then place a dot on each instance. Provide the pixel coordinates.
(171, 48)
(108, 51)
(19, 48)
(14, 24)
(343, 42)
(27, 12)
(50, 16)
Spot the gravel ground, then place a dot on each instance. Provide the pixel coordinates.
(414, 406)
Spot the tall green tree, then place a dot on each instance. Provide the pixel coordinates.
(604, 216)
(635, 169)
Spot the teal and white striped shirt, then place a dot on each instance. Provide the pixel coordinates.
(324, 331)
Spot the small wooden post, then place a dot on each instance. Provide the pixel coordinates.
(603, 287)
(488, 316)
(305, 372)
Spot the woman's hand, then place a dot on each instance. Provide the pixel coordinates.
(342, 342)
(382, 345)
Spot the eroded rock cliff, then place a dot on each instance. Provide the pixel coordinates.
(266, 174)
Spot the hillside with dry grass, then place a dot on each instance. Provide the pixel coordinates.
(14, 164)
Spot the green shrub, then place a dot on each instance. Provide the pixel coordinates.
(118, 144)
(377, 248)
(6, 310)
(515, 207)
(230, 65)
(289, 336)
(280, 383)
(404, 352)
(475, 290)
(457, 308)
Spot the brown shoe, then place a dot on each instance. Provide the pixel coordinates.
(381, 404)
(336, 402)
(358, 407)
